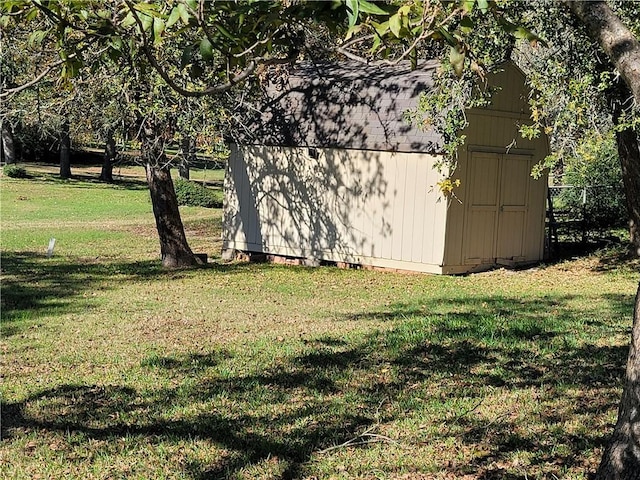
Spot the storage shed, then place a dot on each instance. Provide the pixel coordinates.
(328, 170)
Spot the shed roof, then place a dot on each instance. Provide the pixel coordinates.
(346, 105)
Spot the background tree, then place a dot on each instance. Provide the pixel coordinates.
(104, 116)
(8, 150)
(196, 48)
(31, 118)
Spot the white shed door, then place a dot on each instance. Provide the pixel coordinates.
(497, 195)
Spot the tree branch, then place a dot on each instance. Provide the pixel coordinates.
(212, 89)
(617, 41)
(12, 91)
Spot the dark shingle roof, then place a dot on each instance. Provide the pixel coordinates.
(347, 105)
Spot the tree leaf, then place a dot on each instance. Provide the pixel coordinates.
(467, 5)
(174, 16)
(36, 38)
(524, 33)
(158, 29)
(447, 36)
(185, 59)
(206, 49)
(225, 32)
(371, 8)
(128, 20)
(404, 11)
(381, 28)
(395, 24)
(376, 44)
(147, 8)
(147, 22)
(116, 42)
(483, 5)
(184, 13)
(352, 11)
(71, 68)
(467, 24)
(33, 13)
(353, 30)
(456, 57)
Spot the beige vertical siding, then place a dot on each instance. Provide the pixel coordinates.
(374, 208)
(384, 209)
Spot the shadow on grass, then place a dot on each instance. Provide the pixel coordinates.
(329, 390)
(79, 180)
(34, 286)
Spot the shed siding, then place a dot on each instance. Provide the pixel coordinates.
(383, 208)
(344, 206)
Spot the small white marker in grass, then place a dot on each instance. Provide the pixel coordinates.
(52, 244)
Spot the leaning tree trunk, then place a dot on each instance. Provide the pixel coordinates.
(174, 249)
(8, 145)
(65, 151)
(621, 459)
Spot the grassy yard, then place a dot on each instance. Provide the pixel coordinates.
(113, 368)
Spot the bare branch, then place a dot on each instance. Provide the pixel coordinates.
(355, 40)
(363, 439)
(12, 91)
(256, 44)
(351, 56)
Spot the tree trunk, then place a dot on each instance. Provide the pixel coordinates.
(621, 459)
(174, 249)
(8, 150)
(109, 158)
(629, 153)
(187, 157)
(65, 151)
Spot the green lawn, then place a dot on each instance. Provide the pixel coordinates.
(114, 368)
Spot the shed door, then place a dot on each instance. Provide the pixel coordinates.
(514, 194)
(482, 208)
(498, 190)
